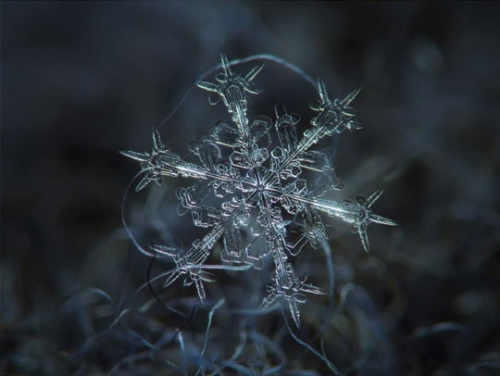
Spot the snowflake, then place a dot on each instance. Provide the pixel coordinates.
(258, 185)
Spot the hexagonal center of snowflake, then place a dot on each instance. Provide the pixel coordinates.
(261, 186)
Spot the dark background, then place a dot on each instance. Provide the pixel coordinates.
(81, 81)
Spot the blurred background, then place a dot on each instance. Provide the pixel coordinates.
(82, 81)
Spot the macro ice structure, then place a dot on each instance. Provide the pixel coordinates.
(259, 184)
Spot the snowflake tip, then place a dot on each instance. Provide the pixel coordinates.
(254, 72)
(171, 278)
(294, 311)
(157, 144)
(364, 238)
(322, 92)
(351, 96)
(165, 250)
(205, 85)
(140, 157)
(225, 65)
(374, 197)
(143, 183)
(383, 221)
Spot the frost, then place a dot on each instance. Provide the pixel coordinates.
(259, 185)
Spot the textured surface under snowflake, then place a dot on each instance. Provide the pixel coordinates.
(263, 196)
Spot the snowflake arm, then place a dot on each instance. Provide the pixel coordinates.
(358, 214)
(333, 118)
(189, 262)
(285, 284)
(150, 161)
(163, 162)
(232, 89)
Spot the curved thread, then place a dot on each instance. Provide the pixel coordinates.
(327, 361)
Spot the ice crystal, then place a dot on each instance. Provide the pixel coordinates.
(259, 184)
